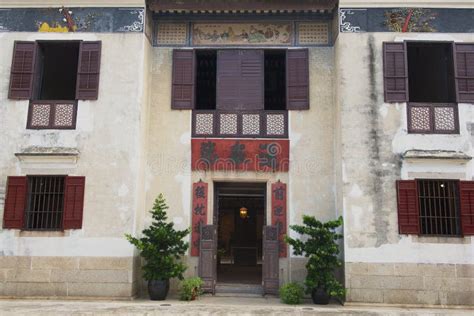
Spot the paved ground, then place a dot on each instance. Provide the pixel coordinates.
(205, 306)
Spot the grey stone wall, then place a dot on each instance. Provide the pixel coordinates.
(61, 277)
(410, 283)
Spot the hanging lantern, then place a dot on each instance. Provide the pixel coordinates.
(243, 213)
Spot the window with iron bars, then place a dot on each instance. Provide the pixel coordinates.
(439, 207)
(45, 199)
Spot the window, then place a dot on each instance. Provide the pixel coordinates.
(53, 75)
(206, 73)
(240, 79)
(435, 207)
(56, 70)
(49, 202)
(430, 72)
(45, 204)
(275, 80)
(431, 77)
(439, 207)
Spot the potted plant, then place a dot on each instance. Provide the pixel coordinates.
(190, 289)
(321, 249)
(291, 293)
(162, 247)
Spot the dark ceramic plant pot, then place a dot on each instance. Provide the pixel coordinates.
(320, 296)
(158, 289)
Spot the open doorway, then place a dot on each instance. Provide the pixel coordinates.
(240, 217)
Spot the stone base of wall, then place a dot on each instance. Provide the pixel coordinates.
(69, 277)
(410, 283)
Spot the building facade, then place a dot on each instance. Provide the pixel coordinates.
(246, 116)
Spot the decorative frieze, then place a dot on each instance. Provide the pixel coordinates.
(243, 33)
(439, 20)
(76, 19)
(313, 33)
(171, 33)
(271, 33)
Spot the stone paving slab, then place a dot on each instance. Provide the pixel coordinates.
(205, 306)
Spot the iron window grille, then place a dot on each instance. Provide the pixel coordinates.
(439, 207)
(57, 114)
(45, 203)
(433, 118)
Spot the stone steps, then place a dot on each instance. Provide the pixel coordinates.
(234, 289)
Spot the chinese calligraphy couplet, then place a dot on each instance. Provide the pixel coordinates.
(199, 215)
(279, 214)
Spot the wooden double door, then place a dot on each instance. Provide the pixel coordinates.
(209, 236)
(208, 259)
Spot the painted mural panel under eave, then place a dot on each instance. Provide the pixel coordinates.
(406, 3)
(73, 19)
(403, 18)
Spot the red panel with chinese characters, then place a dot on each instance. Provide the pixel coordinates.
(240, 155)
(279, 214)
(199, 216)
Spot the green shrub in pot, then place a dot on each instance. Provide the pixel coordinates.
(321, 248)
(162, 247)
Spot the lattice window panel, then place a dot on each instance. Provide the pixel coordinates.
(64, 115)
(444, 119)
(40, 115)
(204, 124)
(228, 124)
(420, 118)
(250, 124)
(313, 33)
(171, 34)
(275, 124)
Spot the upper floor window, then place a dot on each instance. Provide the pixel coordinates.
(235, 82)
(53, 75)
(56, 64)
(430, 72)
(432, 77)
(240, 79)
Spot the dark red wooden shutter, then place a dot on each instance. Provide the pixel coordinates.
(228, 79)
(73, 202)
(252, 81)
(22, 70)
(270, 265)
(297, 79)
(240, 79)
(88, 71)
(464, 71)
(466, 194)
(395, 72)
(208, 258)
(408, 211)
(182, 91)
(15, 202)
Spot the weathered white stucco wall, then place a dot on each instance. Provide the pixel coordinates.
(373, 138)
(108, 137)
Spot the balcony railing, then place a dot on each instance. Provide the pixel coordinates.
(433, 118)
(47, 114)
(242, 124)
